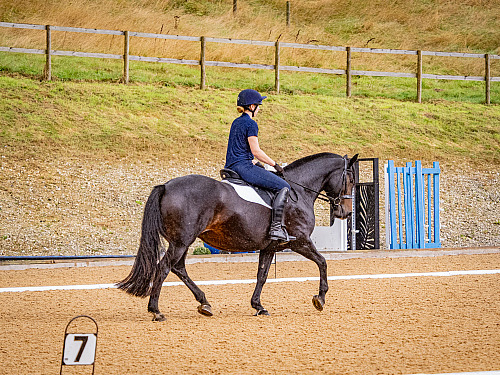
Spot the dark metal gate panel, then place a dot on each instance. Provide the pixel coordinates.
(365, 211)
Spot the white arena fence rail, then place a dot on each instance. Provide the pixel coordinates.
(277, 67)
(253, 281)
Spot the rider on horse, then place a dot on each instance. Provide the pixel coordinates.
(243, 147)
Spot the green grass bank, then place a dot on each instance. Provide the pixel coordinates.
(178, 123)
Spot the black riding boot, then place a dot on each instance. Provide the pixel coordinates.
(278, 231)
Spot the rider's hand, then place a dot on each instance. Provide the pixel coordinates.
(279, 169)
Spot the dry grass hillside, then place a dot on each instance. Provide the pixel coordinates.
(439, 25)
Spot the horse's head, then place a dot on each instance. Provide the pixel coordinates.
(340, 188)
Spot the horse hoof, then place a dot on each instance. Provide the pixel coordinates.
(262, 312)
(318, 303)
(158, 317)
(205, 309)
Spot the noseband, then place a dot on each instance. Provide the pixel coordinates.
(334, 201)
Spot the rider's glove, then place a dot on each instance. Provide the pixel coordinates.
(279, 169)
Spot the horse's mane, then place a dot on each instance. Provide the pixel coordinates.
(307, 159)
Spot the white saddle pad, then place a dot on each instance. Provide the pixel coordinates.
(247, 193)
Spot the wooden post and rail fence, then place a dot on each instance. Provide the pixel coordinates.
(277, 67)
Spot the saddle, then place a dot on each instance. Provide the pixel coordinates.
(233, 178)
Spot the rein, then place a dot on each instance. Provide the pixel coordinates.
(335, 201)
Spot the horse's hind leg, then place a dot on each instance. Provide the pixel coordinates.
(172, 255)
(180, 271)
(163, 268)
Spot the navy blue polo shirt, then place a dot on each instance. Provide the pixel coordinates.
(238, 148)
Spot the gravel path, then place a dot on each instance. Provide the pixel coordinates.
(86, 207)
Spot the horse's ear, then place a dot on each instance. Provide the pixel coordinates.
(353, 160)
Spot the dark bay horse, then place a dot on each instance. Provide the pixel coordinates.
(198, 206)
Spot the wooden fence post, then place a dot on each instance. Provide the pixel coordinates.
(487, 77)
(288, 13)
(202, 63)
(47, 73)
(277, 68)
(419, 76)
(348, 73)
(126, 49)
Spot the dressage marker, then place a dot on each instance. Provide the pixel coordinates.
(79, 348)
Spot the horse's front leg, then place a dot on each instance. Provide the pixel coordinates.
(265, 259)
(307, 249)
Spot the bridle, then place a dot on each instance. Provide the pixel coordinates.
(334, 201)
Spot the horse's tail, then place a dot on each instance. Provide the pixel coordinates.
(140, 280)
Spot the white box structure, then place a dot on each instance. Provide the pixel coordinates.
(332, 238)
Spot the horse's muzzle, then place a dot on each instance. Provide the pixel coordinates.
(340, 212)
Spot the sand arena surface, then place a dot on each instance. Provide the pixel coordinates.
(386, 326)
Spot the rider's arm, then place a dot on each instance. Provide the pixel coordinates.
(257, 151)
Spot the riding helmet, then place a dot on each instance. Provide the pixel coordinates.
(248, 97)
